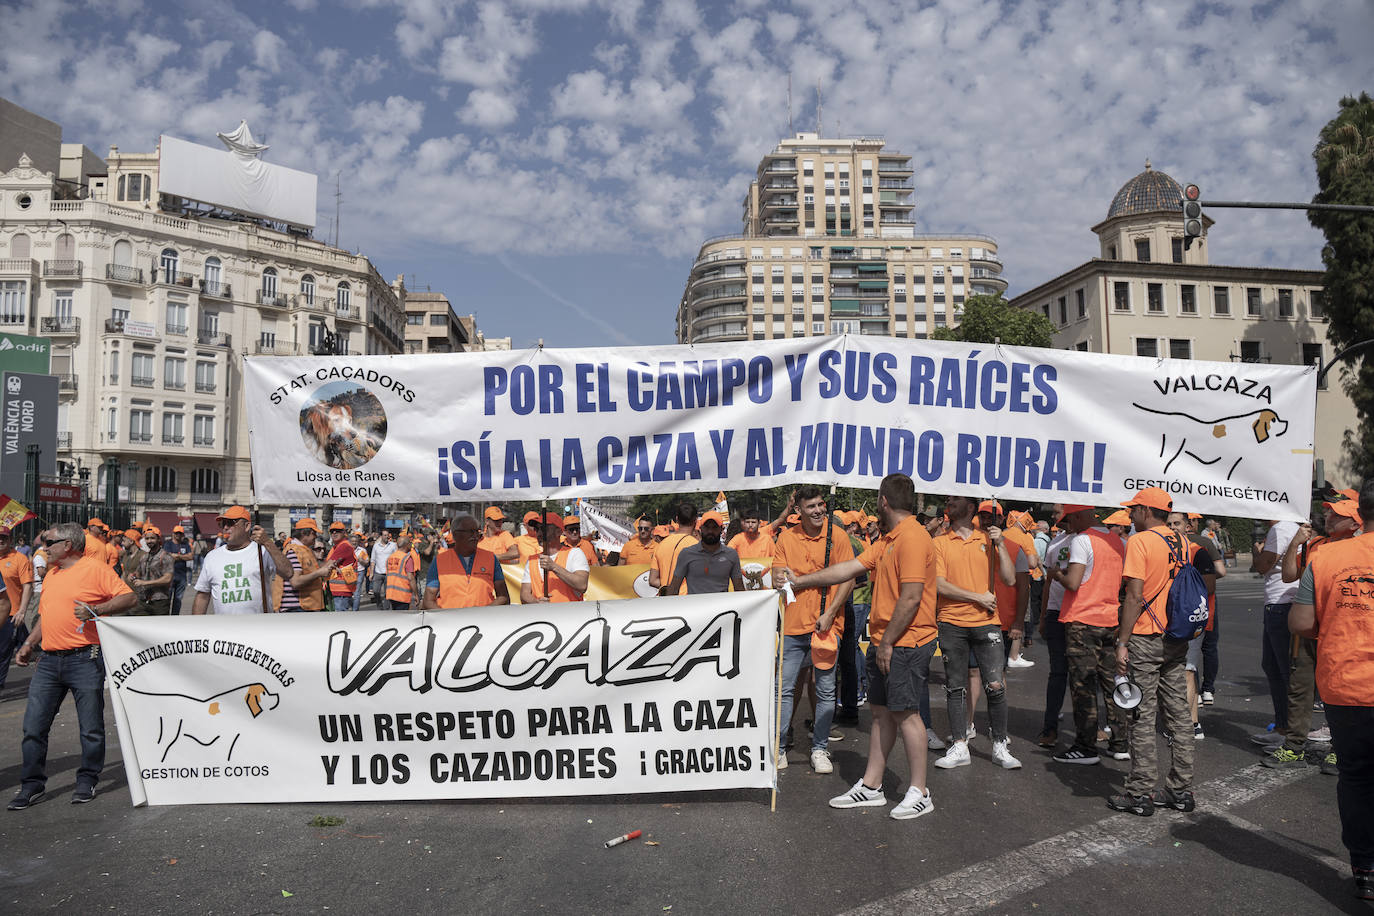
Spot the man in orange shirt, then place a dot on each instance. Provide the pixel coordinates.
(16, 571)
(1335, 604)
(495, 538)
(559, 574)
(76, 590)
(902, 628)
(465, 575)
(968, 564)
(529, 544)
(751, 543)
(668, 549)
(572, 537)
(1012, 600)
(1155, 662)
(640, 548)
(810, 630)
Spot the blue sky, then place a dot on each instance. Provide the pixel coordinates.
(553, 165)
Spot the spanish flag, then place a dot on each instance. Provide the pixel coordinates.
(13, 513)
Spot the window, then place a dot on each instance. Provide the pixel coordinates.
(1285, 303)
(205, 480)
(172, 432)
(213, 275)
(1253, 308)
(267, 339)
(160, 479)
(1111, 252)
(317, 334)
(1312, 356)
(818, 327)
(205, 376)
(269, 283)
(438, 319)
(1146, 346)
(123, 253)
(937, 253)
(1063, 310)
(141, 372)
(209, 322)
(1142, 249)
(1221, 301)
(14, 296)
(62, 305)
(1316, 309)
(114, 366)
(344, 296)
(1177, 245)
(168, 263)
(204, 430)
(1187, 299)
(415, 319)
(112, 426)
(308, 289)
(176, 317)
(140, 425)
(843, 327)
(1079, 300)
(1154, 298)
(174, 373)
(1251, 351)
(1121, 296)
(134, 187)
(1180, 348)
(1046, 309)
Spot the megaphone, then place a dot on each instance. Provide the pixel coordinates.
(1127, 692)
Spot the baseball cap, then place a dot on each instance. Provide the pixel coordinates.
(338, 526)
(306, 524)
(661, 531)
(1347, 507)
(96, 523)
(712, 517)
(1151, 498)
(177, 529)
(235, 513)
(1119, 517)
(152, 529)
(133, 534)
(494, 513)
(6, 530)
(531, 516)
(552, 518)
(990, 505)
(570, 520)
(1070, 510)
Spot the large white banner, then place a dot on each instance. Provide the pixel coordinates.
(1019, 423)
(590, 698)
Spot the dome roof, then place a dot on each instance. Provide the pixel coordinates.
(1148, 192)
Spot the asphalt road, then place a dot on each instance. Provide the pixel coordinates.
(1035, 840)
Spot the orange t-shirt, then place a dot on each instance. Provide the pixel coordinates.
(665, 557)
(964, 562)
(17, 571)
(528, 545)
(1148, 559)
(95, 547)
(498, 543)
(904, 554)
(1344, 606)
(635, 552)
(588, 550)
(804, 554)
(760, 548)
(1007, 595)
(87, 580)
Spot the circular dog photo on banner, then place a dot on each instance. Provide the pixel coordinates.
(343, 425)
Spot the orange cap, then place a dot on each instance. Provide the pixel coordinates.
(235, 513)
(306, 524)
(338, 526)
(96, 523)
(494, 513)
(990, 505)
(570, 520)
(1151, 498)
(530, 516)
(1119, 517)
(1347, 507)
(793, 519)
(1071, 509)
(133, 534)
(661, 531)
(712, 516)
(151, 529)
(177, 529)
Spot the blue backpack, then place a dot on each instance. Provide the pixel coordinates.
(1185, 609)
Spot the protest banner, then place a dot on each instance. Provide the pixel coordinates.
(1017, 423)
(585, 698)
(604, 583)
(611, 535)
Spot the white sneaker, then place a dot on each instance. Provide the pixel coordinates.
(914, 804)
(1020, 663)
(1001, 755)
(782, 761)
(933, 741)
(1320, 735)
(820, 762)
(956, 756)
(861, 796)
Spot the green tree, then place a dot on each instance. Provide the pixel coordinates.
(1345, 175)
(990, 318)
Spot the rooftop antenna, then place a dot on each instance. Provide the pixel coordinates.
(789, 103)
(338, 199)
(819, 132)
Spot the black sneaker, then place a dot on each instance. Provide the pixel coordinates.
(1079, 756)
(1048, 738)
(1168, 798)
(846, 718)
(1364, 885)
(25, 797)
(83, 794)
(1136, 804)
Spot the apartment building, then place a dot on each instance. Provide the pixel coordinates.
(829, 245)
(1146, 295)
(432, 326)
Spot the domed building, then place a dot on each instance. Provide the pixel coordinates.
(1145, 295)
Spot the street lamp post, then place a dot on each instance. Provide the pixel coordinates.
(133, 490)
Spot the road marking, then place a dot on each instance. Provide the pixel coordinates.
(995, 881)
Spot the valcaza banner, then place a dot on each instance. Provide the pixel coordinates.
(584, 698)
(1021, 423)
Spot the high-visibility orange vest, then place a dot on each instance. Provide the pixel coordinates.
(1095, 602)
(458, 588)
(398, 587)
(311, 595)
(558, 589)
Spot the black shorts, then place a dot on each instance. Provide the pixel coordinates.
(901, 689)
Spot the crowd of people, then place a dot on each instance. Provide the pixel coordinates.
(868, 601)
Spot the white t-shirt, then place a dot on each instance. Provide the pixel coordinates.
(380, 554)
(577, 562)
(1057, 557)
(232, 580)
(1277, 591)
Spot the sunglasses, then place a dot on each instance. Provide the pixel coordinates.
(48, 542)
(229, 522)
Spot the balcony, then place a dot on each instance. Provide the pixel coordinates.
(62, 267)
(734, 330)
(205, 387)
(204, 441)
(172, 440)
(348, 312)
(64, 440)
(66, 384)
(55, 325)
(786, 166)
(216, 289)
(312, 301)
(896, 221)
(212, 338)
(114, 325)
(273, 300)
(778, 185)
(174, 384)
(140, 438)
(730, 292)
(142, 381)
(788, 201)
(26, 266)
(887, 204)
(272, 348)
(174, 278)
(205, 499)
(892, 184)
(894, 167)
(179, 330)
(120, 273)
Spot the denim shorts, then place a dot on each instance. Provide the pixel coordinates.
(906, 681)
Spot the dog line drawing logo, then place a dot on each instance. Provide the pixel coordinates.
(195, 723)
(1212, 443)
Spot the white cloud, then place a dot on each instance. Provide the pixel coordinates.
(488, 109)
(267, 50)
(490, 52)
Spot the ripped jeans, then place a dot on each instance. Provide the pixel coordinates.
(985, 644)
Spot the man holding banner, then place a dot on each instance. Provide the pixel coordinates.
(559, 574)
(707, 567)
(496, 538)
(465, 575)
(666, 553)
(902, 629)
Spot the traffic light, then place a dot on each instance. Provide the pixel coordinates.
(1192, 215)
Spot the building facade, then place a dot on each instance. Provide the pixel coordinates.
(829, 246)
(432, 326)
(1146, 295)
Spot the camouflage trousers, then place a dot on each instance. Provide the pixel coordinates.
(1302, 691)
(1091, 652)
(1156, 665)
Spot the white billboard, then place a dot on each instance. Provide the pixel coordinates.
(236, 181)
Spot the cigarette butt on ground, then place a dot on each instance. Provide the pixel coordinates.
(625, 838)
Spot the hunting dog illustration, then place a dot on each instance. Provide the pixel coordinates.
(211, 726)
(1223, 442)
(335, 439)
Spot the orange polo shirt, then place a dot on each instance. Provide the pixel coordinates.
(904, 554)
(1344, 607)
(635, 552)
(528, 546)
(87, 580)
(498, 543)
(588, 551)
(17, 571)
(964, 562)
(759, 548)
(1147, 559)
(1007, 595)
(665, 557)
(804, 554)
